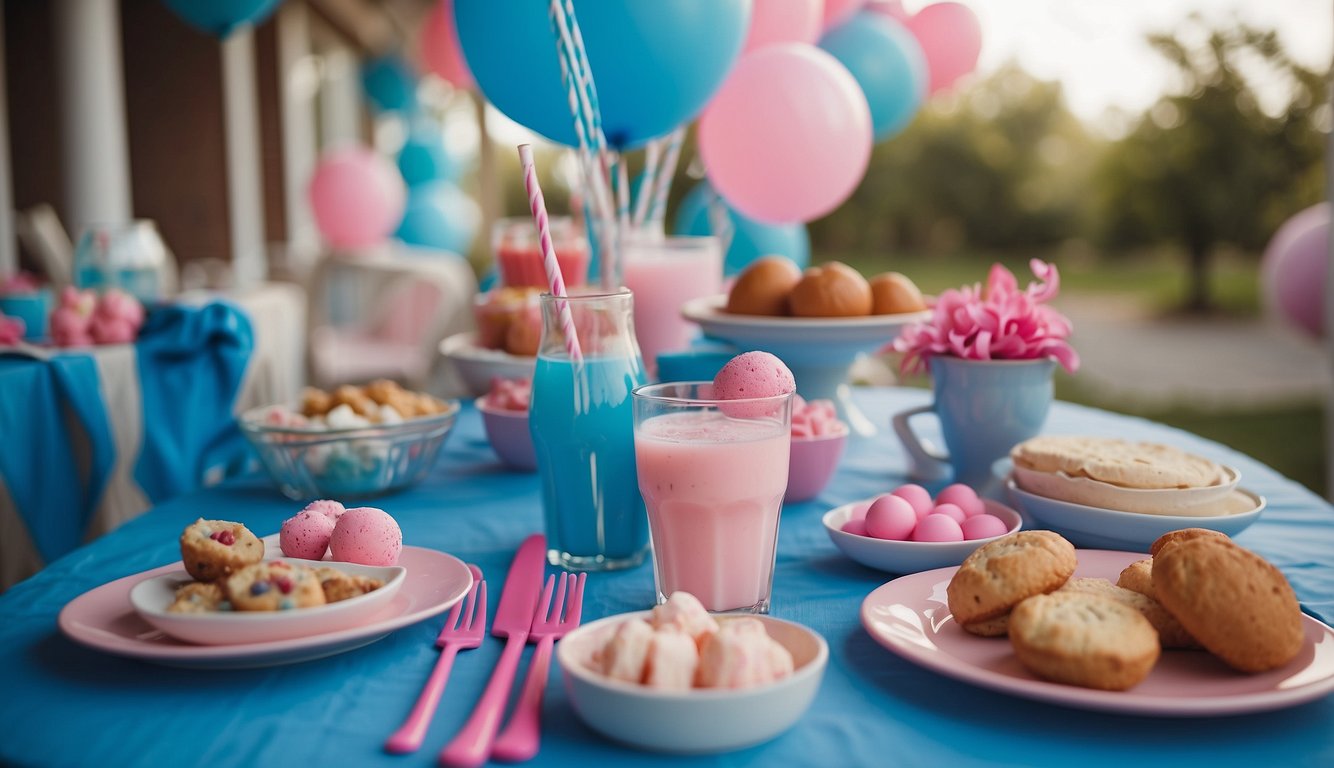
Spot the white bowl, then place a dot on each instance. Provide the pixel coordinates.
(477, 365)
(1098, 528)
(1152, 501)
(697, 721)
(151, 597)
(908, 556)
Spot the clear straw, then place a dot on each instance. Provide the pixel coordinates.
(652, 156)
(658, 211)
(557, 283)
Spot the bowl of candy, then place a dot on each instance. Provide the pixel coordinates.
(504, 412)
(509, 326)
(676, 679)
(354, 442)
(818, 438)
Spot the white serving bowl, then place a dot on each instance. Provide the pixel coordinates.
(1098, 528)
(1152, 501)
(697, 721)
(151, 597)
(909, 556)
(477, 365)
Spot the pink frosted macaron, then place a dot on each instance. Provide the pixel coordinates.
(306, 535)
(752, 375)
(368, 536)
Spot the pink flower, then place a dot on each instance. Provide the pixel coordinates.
(998, 322)
(11, 330)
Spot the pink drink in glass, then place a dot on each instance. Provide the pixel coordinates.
(665, 273)
(713, 488)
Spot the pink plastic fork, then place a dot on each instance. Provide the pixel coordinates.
(520, 738)
(464, 629)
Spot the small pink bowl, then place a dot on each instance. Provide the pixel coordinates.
(509, 435)
(812, 463)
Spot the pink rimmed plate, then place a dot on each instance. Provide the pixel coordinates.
(103, 619)
(910, 617)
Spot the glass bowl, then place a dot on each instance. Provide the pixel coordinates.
(359, 462)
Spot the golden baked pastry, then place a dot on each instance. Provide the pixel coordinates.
(831, 290)
(762, 288)
(893, 293)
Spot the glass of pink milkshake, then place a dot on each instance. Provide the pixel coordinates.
(712, 473)
(664, 273)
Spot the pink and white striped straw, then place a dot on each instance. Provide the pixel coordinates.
(538, 206)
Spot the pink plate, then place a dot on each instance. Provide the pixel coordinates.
(102, 618)
(910, 617)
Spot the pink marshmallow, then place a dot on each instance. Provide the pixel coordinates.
(741, 654)
(752, 375)
(673, 660)
(685, 612)
(510, 394)
(306, 535)
(625, 653)
(368, 536)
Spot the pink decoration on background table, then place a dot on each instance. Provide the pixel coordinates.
(440, 51)
(784, 21)
(357, 196)
(72, 318)
(998, 322)
(951, 38)
(1294, 269)
(510, 394)
(19, 283)
(82, 318)
(788, 136)
(11, 330)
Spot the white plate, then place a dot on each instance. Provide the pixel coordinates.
(478, 365)
(908, 556)
(910, 617)
(103, 619)
(152, 596)
(1194, 502)
(709, 313)
(1099, 528)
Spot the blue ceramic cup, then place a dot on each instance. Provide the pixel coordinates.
(985, 408)
(33, 308)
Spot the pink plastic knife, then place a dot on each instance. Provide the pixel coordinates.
(514, 615)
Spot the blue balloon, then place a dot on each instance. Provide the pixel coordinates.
(655, 63)
(222, 17)
(440, 216)
(390, 83)
(424, 157)
(888, 64)
(751, 239)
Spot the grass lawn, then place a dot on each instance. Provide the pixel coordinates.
(1288, 437)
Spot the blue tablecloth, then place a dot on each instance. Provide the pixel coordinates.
(67, 705)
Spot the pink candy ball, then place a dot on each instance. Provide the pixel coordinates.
(917, 496)
(890, 517)
(984, 526)
(951, 511)
(856, 527)
(859, 510)
(936, 527)
(963, 497)
(366, 535)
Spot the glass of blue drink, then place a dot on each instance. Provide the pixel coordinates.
(582, 424)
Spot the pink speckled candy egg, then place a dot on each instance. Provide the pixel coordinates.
(963, 497)
(855, 527)
(983, 526)
(951, 511)
(936, 527)
(306, 534)
(327, 507)
(917, 496)
(890, 517)
(752, 375)
(368, 536)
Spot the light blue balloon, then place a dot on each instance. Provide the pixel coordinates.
(655, 63)
(390, 83)
(424, 158)
(751, 239)
(222, 17)
(439, 215)
(888, 64)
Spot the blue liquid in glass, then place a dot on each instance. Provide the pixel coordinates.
(584, 438)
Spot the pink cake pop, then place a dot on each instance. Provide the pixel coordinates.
(750, 375)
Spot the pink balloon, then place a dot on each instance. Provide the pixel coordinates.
(1295, 268)
(951, 38)
(357, 197)
(439, 45)
(788, 136)
(784, 21)
(838, 11)
(890, 9)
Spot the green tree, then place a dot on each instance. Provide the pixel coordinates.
(1213, 164)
